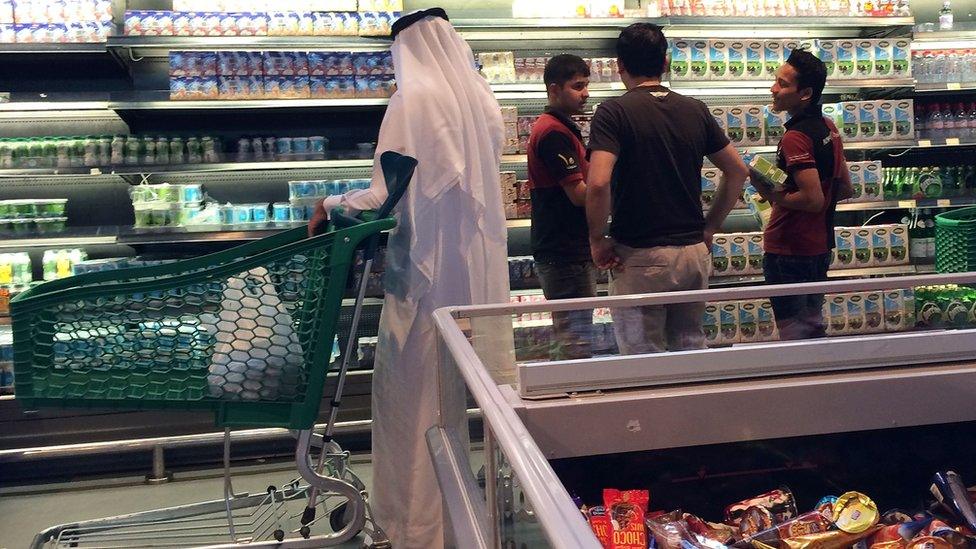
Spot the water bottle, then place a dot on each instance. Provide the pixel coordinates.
(971, 121)
(919, 68)
(937, 67)
(953, 66)
(945, 16)
(948, 121)
(935, 124)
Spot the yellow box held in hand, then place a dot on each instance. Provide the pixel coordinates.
(775, 177)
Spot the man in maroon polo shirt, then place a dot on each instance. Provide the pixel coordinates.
(800, 233)
(557, 169)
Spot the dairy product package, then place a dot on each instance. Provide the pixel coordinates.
(835, 314)
(718, 60)
(855, 313)
(772, 57)
(767, 322)
(835, 113)
(883, 54)
(899, 310)
(845, 59)
(775, 122)
(864, 59)
(901, 58)
(885, 113)
(855, 170)
(737, 59)
(760, 208)
(710, 325)
(770, 172)
(899, 243)
(754, 244)
(755, 125)
(710, 178)
(680, 59)
(874, 321)
(843, 248)
(880, 245)
(739, 254)
(827, 52)
(871, 174)
(754, 59)
(735, 125)
(867, 118)
(719, 113)
(749, 321)
(721, 252)
(863, 254)
(850, 128)
(904, 119)
(698, 58)
(728, 319)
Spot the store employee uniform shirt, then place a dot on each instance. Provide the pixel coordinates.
(660, 138)
(560, 239)
(797, 243)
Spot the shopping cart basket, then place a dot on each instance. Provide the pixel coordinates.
(247, 333)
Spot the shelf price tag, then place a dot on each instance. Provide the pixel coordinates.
(952, 141)
(906, 203)
(954, 86)
(924, 143)
(943, 203)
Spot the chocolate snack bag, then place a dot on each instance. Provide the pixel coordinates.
(626, 510)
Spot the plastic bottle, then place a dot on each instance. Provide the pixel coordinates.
(970, 133)
(953, 66)
(937, 67)
(945, 16)
(935, 124)
(929, 235)
(948, 121)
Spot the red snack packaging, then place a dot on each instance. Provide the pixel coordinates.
(601, 525)
(626, 511)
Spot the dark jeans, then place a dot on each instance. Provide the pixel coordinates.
(797, 316)
(573, 330)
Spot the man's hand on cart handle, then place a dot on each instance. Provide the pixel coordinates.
(319, 220)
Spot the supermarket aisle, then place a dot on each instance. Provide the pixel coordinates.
(24, 511)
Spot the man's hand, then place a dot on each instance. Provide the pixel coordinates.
(320, 218)
(603, 255)
(709, 237)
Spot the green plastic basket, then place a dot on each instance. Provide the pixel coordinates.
(955, 241)
(246, 332)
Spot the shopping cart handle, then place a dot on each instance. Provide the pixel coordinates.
(341, 220)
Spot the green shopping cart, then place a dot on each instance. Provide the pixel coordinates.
(246, 333)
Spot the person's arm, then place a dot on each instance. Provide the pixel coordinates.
(558, 154)
(734, 173)
(808, 196)
(598, 204)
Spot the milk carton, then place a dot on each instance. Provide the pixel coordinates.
(718, 60)
(867, 120)
(710, 325)
(901, 58)
(760, 208)
(835, 314)
(827, 52)
(737, 59)
(863, 255)
(850, 128)
(710, 178)
(738, 254)
(885, 112)
(680, 60)
(883, 54)
(767, 322)
(755, 252)
(729, 322)
(845, 59)
(864, 59)
(855, 314)
(754, 59)
(735, 125)
(698, 60)
(904, 119)
(855, 170)
(755, 124)
(899, 244)
(835, 113)
(775, 124)
(721, 250)
(719, 114)
(899, 310)
(844, 248)
(871, 178)
(748, 321)
(880, 245)
(874, 321)
(772, 57)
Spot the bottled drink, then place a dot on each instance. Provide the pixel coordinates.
(176, 152)
(945, 16)
(118, 150)
(971, 121)
(948, 121)
(936, 123)
(162, 150)
(910, 184)
(953, 66)
(929, 235)
(148, 150)
(194, 151)
(133, 148)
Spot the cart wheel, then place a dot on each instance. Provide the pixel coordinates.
(340, 517)
(279, 534)
(305, 531)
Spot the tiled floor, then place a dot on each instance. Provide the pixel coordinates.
(25, 511)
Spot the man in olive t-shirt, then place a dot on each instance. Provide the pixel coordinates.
(650, 142)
